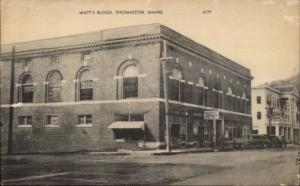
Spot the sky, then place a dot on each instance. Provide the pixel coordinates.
(262, 35)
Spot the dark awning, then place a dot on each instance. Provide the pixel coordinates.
(127, 125)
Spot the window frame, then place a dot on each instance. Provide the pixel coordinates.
(85, 85)
(51, 125)
(135, 83)
(129, 117)
(54, 87)
(85, 123)
(129, 132)
(22, 93)
(26, 125)
(56, 59)
(258, 99)
(258, 115)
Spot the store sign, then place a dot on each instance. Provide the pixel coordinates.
(211, 115)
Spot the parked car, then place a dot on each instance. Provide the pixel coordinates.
(259, 140)
(240, 143)
(283, 141)
(276, 141)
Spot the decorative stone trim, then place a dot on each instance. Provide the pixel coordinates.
(190, 83)
(205, 87)
(182, 81)
(117, 77)
(121, 77)
(142, 75)
(52, 126)
(75, 81)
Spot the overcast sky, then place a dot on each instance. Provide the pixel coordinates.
(262, 35)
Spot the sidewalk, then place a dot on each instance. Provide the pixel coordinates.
(155, 152)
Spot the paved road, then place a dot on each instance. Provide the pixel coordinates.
(248, 167)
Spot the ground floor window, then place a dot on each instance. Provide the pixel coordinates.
(52, 121)
(129, 135)
(129, 117)
(272, 130)
(25, 121)
(254, 131)
(84, 120)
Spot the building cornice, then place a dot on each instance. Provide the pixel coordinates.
(19, 54)
(47, 51)
(207, 58)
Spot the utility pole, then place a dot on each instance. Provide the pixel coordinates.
(11, 108)
(164, 60)
(269, 109)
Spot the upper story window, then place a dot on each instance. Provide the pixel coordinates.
(218, 94)
(244, 103)
(202, 91)
(85, 83)
(175, 85)
(56, 59)
(86, 56)
(27, 62)
(230, 99)
(258, 115)
(130, 81)
(258, 99)
(26, 90)
(54, 81)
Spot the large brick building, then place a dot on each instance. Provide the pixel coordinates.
(104, 91)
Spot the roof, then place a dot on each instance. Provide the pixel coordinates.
(124, 33)
(286, 89)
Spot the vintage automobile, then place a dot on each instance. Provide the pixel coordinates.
(255, 141)
(277, 141)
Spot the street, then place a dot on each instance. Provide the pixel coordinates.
(247, 167)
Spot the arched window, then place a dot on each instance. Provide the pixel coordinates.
(54, 86)
(26, 90)
(175, 85)
(243, 103)
(85, 85)
(202, 91)
(230, 99)
(218, 95)
(201, 82)
(130, 81)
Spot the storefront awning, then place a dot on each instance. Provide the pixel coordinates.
(127, 125)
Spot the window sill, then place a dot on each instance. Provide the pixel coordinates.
(24, 126)
(84, 125)
(52, 126)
